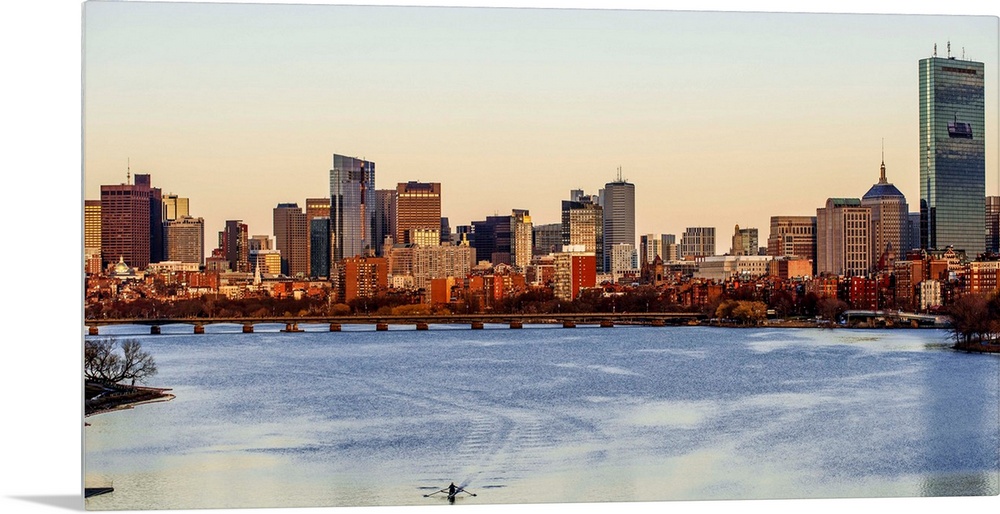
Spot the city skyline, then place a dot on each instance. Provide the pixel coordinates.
(45, 116)
(689, 113)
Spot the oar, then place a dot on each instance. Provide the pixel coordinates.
(462, 490)
(435, 492)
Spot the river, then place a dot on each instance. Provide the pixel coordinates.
(547, 414)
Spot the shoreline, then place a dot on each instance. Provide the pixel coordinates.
(100, 398)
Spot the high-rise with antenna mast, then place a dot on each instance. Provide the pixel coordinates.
(952, 154)
(619, 216)
(132, 222)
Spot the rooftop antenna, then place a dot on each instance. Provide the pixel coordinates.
(619, 174)
(949, 49)
(963, 53)
(882, 179)
(935, 49)
(128, 173)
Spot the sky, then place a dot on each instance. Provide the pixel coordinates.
(41, 43)
(717, 118)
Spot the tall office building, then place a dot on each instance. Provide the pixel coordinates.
(993, 224)
(175, 207)
(385, 218)
(261, 242)
(745, 242)
(352, 208)
(493, 239)
(624, 259)
(952, 154)
(184, 240)
(235, 244)
(291, 238)
(575, 270)
(650, 247)
(319, 246)
(843, 238)
(583, 224)
(792, 236)
(697, 242)
(92, 236)
(520, 239)
(546, 238)
(315, 208)
(913, 231)
(131, 223)
(671, 250)
(156, 253)
(445, 231)
(890, 219)
(418, 207)
(618, 201)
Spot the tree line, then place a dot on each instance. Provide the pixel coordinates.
(975, 319)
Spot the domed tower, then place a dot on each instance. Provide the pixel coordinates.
(890, 215)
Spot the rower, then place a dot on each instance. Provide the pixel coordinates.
(451, 492)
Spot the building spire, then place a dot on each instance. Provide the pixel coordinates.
(881, 179)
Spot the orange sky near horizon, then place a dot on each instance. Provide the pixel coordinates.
(718, 118)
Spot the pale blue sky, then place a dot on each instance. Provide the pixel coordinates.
(718, 118)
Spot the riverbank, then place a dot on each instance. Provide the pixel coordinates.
(978, 347)
(100, 397)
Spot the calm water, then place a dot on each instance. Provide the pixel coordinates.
(548, 415)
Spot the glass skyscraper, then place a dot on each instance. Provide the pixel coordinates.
(352, 201)
(319, 246)
(952, 155)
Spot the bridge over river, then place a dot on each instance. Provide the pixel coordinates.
(422, 322)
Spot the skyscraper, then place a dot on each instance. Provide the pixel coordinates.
(843, 238)
(650, 247)
(131, 223)
(319, 246)
(583, 224)
(520, 238)
(418, 206)
(92, 236)
(156, 253)
(175, 207)
(618, 201)
(993, 224)
(235, 245)
(316, 208)
(493, 239)
(890, 219)
(547, 238)
(352, 212)
(184, 240)
(385, 218)
(291, 238)
(792, 236)
(952, 154)
(697, 242)
(745, 242)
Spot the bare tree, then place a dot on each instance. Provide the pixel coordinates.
(971, 320)
(103, 363)
(831, 308)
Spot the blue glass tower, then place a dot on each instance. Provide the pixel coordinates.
(952, 154)
(352, 206)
